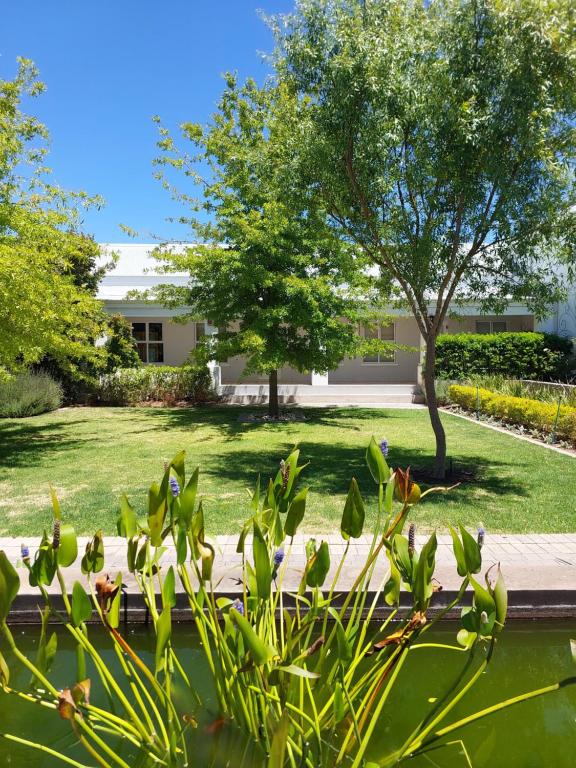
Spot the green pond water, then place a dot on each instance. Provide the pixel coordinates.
(536, 734)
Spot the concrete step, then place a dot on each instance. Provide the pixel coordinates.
(333, 394)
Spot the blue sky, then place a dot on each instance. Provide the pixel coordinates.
(109, 66)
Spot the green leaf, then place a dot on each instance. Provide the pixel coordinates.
(354, 514)
(114, 610)
(178, 466)
(318, 566)
(500, 595)
(343, 644)
(471, 551)
(262, 564)
(458, 552)
(4, 671)
(401, 554)
(131, 552)
(46, 649)
(422, 586)
(163, 634)
(156, 514)
(127, 524)
(181, 546)
(67, 552)
(389, 494)
(279, 740)
(169, 589)
(339, 707)
(55, 505)
(255, 498)
(465, 638)
(293, 669)
(188, 499)
(93, 560)
(393, 585)
(296, 512)
(81, 605)
(260, 651)
(377, 465)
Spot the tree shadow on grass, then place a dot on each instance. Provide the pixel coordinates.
(331, 467)
(24, 443)
(226, 418)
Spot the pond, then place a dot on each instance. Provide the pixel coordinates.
(538, 733)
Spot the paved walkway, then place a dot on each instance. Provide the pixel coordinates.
(539, 569)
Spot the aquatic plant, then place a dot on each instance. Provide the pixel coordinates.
(307, 675)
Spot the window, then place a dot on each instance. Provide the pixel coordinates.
(149, 341)
(491, 326)
(382, 333)
(200, 331)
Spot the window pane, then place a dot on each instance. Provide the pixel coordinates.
(370, 331)
(155, 353)
(200, 331)
(387, 332)
(499, 326)
(142, 353)
(482, 326)
(154, 331)
(371, 359)
(139, 331)
(387, 357)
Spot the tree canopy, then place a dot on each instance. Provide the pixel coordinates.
(269, 271)
(47, 266)
(440, 137)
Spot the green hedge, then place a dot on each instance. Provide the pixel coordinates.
(28, 394)
(129, 386)
(538, 356)
(533, 414)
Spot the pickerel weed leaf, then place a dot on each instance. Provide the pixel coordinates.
(188, 499)
(55, 505)
(260, 651)
(294, 669)
(68, 550)
(127, 523)
(179, 468)
(471, 551)
(296, 512)
(81, 605)
(114, 609)
(461, 564)
(353, 516)
(9, 585)
(499, 593)
(279, 740)
(47, 647)
(318, 566)
(43, 568)
(377, 465)
(262, 564)
(156, 513)
(169, 589)
(4, 671)
(93, 560)
(422, 587)
(163, 635)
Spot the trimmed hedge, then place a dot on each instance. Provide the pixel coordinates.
(533, 414)
(169, 384)
(538, 356)
(28, 394)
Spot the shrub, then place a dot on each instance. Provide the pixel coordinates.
(539, 356)
(547, 392)
(129, 386)
(28, 394)
(532, 414)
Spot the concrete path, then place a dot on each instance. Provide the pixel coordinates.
(539, 569)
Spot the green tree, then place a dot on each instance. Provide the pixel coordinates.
(441, 138)
(46, 271)
(121, 348)
(269, 272)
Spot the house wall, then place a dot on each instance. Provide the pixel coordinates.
(404, 369)
(179, 339)
(467, 324)
(231, 372)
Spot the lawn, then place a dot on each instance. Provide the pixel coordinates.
(92, 455)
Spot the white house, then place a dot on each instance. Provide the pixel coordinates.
(161, 341)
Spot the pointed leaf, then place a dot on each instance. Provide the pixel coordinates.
(68, 550)
(9, 585)
(471, 551)
(296, 512)
(262, 564)
(127, 524)
(260, 651)
(377, 465)
(318, 566)
(163, 634)
(81, 605)
(353, 516)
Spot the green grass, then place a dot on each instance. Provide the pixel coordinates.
(92, 455)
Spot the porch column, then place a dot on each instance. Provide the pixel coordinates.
(213, 366)
(319, 379)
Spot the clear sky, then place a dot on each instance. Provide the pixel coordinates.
(109, 66)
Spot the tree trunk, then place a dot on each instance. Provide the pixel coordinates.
(273, 409)
(430, 388)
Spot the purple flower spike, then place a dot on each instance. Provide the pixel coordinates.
(481, 534)
(24, 552)
(239, 606)
(174, 487)
(384, 447)
(278, 557)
